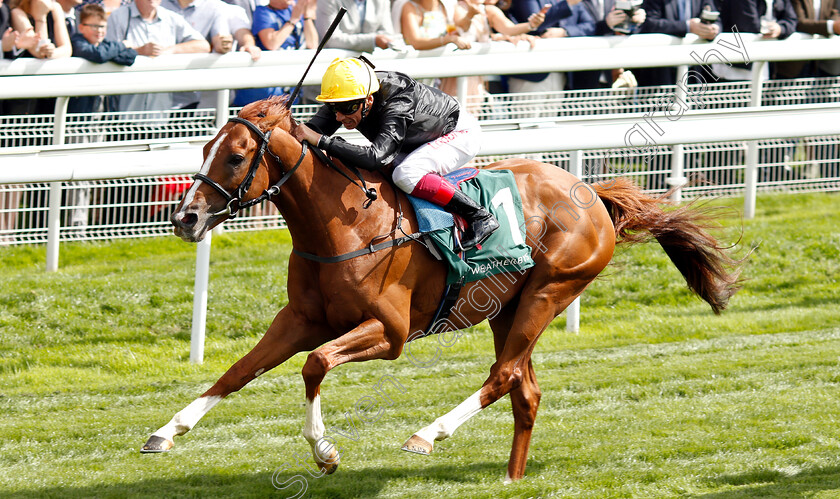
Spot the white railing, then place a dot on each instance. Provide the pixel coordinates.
(74, 162)
(30, 78)
(26, 78)
(72, 77)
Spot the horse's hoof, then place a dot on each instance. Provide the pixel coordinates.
(509, 479)
(157, 444)
(330, 464)
(328, 469)
(417, 445)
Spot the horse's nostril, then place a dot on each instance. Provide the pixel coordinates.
(184, 220)
(189, 219)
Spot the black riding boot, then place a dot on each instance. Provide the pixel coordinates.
(480, 222)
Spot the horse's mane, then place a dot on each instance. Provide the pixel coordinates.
(268, 113)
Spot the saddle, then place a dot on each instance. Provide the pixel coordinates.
(504, 251)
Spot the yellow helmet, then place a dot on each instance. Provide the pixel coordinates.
(347, 79)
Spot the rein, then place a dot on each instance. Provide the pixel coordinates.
(234, 200)
(242, 189)
(370, 193)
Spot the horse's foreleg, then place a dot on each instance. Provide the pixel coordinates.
(287, 335)
(366, 342)
(163, 439)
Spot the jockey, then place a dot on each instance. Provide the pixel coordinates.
(416, 130)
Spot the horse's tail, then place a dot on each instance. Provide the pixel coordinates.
(709, 271)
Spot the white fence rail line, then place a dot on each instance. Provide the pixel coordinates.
(75, 77)
(496, 109)
(77, 162)
(138, 207)
(64, 78)
(89, 161)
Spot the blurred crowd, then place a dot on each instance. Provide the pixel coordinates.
(120, 30)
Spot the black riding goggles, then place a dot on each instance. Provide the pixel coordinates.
(347, 107)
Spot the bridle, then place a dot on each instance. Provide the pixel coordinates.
(234, 200)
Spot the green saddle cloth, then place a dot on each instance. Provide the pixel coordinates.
(506, 250)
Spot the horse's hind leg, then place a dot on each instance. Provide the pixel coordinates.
(443, 427)
(511, 370)
(286, 336)
(514, 372)
(525, 401)
(525, 398)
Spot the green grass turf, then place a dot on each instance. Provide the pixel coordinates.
(655, 397)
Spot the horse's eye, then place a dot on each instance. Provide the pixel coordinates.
(236, 159)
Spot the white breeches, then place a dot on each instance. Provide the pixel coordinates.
(440, 156)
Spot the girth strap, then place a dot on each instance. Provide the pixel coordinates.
(373, 248)
(450, 297)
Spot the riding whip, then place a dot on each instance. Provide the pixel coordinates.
(326, 37)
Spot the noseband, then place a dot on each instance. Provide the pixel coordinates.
(234, 201)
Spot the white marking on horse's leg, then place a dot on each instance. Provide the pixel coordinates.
(446, 425)
(187, 417)
(313, 432)
(508, 479)
(190, 194)
(313, 428)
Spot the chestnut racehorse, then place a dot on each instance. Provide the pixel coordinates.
(368, 307)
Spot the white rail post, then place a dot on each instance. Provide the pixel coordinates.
(462, 89)
(222, 113)
(198, 333)
(573, 310)
(573, 316)
(751, 168)
(202, 279)
(54, 213)
(677, 178)
(222, 107)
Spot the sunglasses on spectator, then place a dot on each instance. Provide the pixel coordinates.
(102, 27)
(348, 107)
